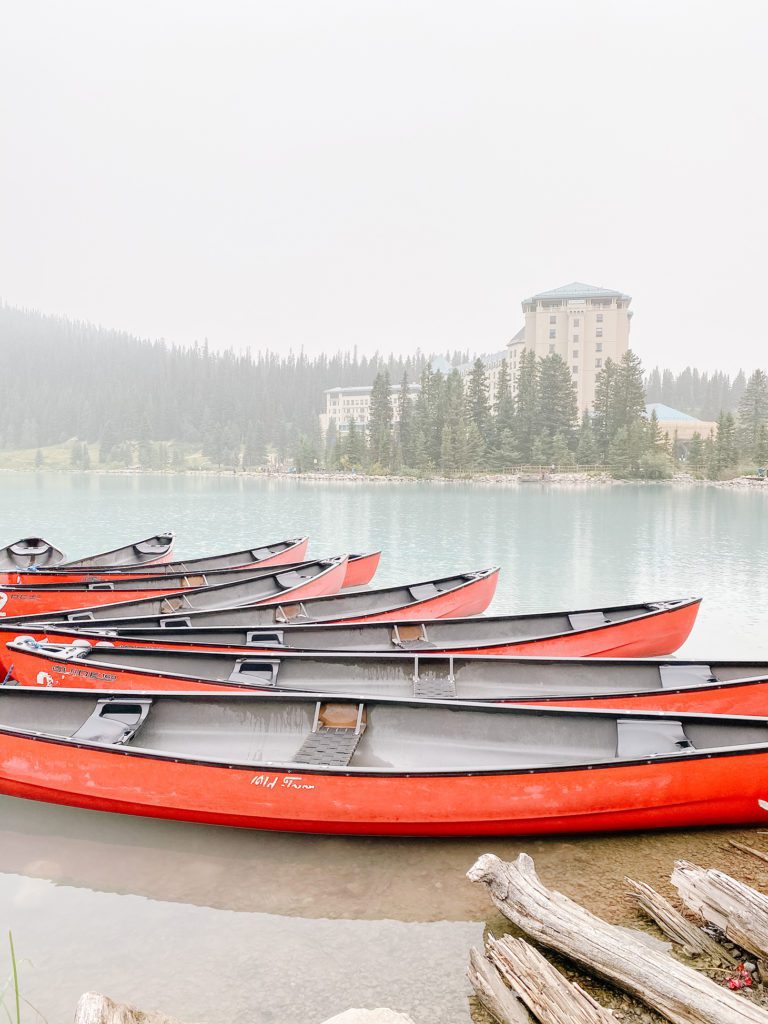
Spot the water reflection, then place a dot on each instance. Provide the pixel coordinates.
(226, 926)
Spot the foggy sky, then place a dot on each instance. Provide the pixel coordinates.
(390, 175)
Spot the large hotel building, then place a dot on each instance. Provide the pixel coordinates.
(583, 324)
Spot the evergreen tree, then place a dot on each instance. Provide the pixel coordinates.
(478, 404)
(380, 422)
(605, 425)
(558, 411)
(753, 412)
(405, 424)
(586, 445)
(527, 405)
(724, 454)
(697, 454)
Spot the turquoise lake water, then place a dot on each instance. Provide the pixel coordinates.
(227, 926)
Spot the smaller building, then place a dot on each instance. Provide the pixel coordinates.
(343, 405)
(679, 426)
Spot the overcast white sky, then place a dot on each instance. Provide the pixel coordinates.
(387, 174)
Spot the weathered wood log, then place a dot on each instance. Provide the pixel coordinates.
(93, 1008)
(737, 909)
(545, 991)
(748, 849)
(679, 929)
(652, 976)
(490, 989)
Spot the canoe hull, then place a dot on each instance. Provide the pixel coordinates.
(360, 571)
(644, 637)
(646, 795)
(325, 583)
(293, 553)
(748, 697)
(471, 599)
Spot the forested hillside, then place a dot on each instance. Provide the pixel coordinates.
(113, 400)
(68, 379)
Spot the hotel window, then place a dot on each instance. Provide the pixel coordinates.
(598, 332)
(598, 364)
(551, 349)
(599, 318)
(553, 319)
(576, 322)
(574, 369)
(575, 353)
(552, 332)
(599, 347)
(575, 339)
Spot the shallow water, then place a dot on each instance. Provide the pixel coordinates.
(224, 925)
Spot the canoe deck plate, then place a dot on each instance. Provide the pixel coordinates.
(437, 688)
(336, 732)
(329, 745)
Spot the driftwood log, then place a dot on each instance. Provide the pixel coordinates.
(737, 909)
(93, 1008)
(679, 929)
(500, 1001)
(652, 976)
(550, 996)
(748, 849)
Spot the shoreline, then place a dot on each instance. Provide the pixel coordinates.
(557, 479)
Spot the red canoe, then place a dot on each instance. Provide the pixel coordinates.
(150, 551)
(267, 555)
(645, 630)
(380, 767)
(27, 552)
(249, 588)
(361, 569)
(733, 687)
(47, 598)
(465, 594)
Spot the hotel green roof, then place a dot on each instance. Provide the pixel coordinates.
(578, 290)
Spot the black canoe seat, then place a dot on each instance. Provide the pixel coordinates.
(586, 620)
(674, 676)
(423, 591)
(153, 545)
(639, 739)
(260, 553)
(289, 580)
(113, 721)
(254, 673)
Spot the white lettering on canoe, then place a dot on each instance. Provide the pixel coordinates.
(43, 679)
(3, 602)
(287, 782)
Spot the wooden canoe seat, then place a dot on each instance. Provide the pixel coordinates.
(674, 676)
(194, 581)
(291, 613)
(638, 738)
(409, 635)
(336, 732)
(113, 721)
(587, 620)
(423, 591)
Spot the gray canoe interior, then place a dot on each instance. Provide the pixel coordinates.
(399, 738)
(369, 636)
(221, 599)
(403, 676)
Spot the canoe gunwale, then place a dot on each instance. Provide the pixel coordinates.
(72, 657)
(300, 768)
